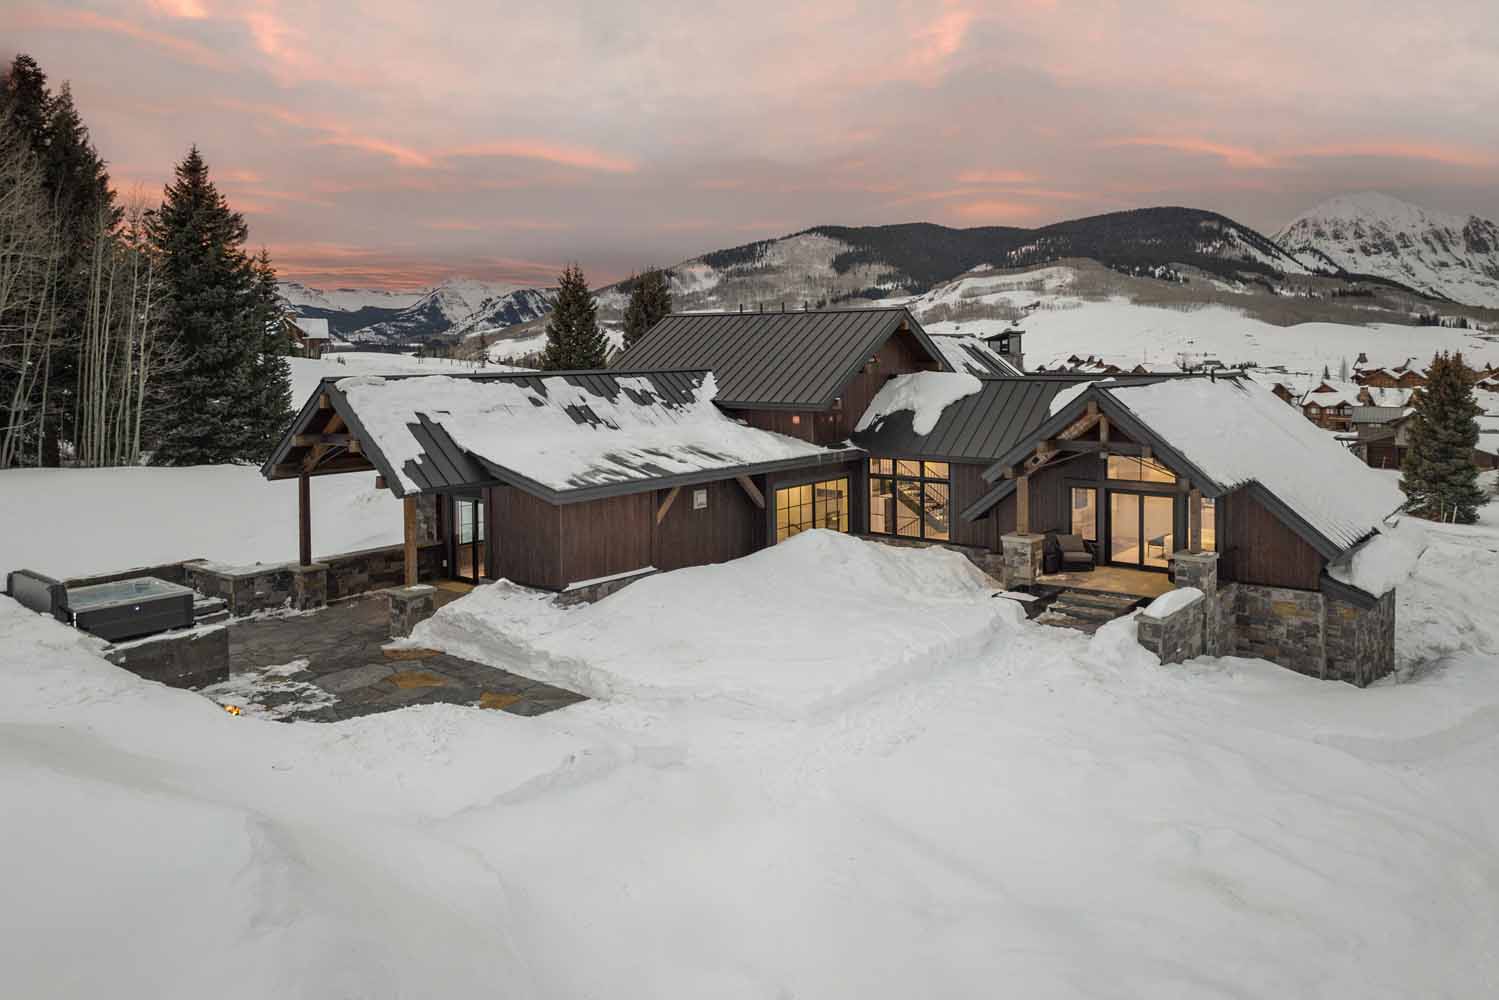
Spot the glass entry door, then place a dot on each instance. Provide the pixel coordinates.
(469, 555)
(1141, 529)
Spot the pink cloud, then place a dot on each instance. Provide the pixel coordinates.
(1235, 156)
(580, 157)
(83, 20)
(995, 177)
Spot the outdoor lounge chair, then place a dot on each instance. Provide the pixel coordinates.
(1075, 553)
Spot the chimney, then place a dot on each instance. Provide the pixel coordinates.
(1008, 345)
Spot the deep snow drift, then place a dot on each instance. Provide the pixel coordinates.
(1005, 803)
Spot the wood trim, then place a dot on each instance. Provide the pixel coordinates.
(408, 505)
(1023, 505)
(671, 498)
(1194, 521)
(750, 489)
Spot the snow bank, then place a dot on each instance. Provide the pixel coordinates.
(925, 394)
(512, 425)
(793, 628)
(1385, 561)
(76, 522)
(1170, 602)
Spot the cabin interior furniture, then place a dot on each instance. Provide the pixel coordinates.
(1073, 554)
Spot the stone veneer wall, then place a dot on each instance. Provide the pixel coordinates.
(189, 659)
(1021, 559)
(1360, 641)
(245, 589)
(1180, 635)
(1314, 633)
(351, 573)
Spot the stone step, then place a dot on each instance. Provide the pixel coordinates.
(207, 605)
(1067, 621)
(1099, 599)
(1086, 612)
(212, 618)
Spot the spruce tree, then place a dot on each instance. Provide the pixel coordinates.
(211, 310)
(270, 374)
(650, 301)
(574, 340)
(1438, 476)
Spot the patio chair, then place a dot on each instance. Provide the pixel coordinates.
(1075, 553)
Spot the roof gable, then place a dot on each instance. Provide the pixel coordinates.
(786, 360)
(1228, 433)
(977, 428)
(563, 436)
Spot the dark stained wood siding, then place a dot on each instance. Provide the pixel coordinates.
(1256, 547)
(967, 483)
(523, 535)
(608, 536)
(899, 355)
(729, 527)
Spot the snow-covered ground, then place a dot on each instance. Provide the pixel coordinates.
(1126, 333)
(977, 801)
(78, 522)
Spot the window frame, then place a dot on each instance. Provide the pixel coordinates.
(928, 474)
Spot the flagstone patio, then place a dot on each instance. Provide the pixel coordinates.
(347, 673)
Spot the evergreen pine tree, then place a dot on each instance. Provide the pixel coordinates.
(574, 340)
(1438, 475)
(211, 308)
(650, 301)
(270, 373)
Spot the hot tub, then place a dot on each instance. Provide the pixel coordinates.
(127, 608)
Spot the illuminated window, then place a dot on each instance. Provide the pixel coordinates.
(1085, 512)
(1209, 525)
(812, 505)
(1140, 470)
(909, 498)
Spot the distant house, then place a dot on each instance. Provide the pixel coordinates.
(1384, 437)
(309, 337)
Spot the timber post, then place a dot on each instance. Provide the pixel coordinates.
(408, 504)
(304, 519)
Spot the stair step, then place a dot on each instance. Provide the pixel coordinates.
(1086, 612)
(1067, 621)
(221, 615)
(1099, 599)
(207, 605)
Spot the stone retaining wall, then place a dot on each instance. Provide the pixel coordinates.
(601, 589)
(173, 572)
(1177, 637)
(351, 573)
(245, 589)
(188, 659)
(1326, 634)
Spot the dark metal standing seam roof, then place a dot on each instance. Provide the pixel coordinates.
(976, 428)
(773, 360)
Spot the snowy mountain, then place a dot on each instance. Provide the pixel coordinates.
(1372, 233)
(299, 296)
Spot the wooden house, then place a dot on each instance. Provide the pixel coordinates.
(308, 337)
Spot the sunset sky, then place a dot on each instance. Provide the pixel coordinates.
(393, 144)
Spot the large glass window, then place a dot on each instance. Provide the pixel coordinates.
(811, 505)
(1085, 512)
(1140, 470)
(910, 498)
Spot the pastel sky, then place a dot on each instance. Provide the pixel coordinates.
(393, 144)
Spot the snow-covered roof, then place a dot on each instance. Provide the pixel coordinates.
(1237, 433)
(924, 394)
(558, 433)
(312, 329)
(973, 355)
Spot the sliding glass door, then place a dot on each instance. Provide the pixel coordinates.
(1141, 529)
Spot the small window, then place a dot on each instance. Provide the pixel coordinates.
(880, 467)
(699, 499)
(1085, 512)
(1209, 525)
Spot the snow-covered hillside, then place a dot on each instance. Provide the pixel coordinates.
(442, 311)
(1372, 233)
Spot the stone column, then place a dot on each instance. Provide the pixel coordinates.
(409, 605)
(1022, 559)
(309, 586)
(1200, 570)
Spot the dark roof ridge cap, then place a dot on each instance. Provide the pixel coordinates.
(786, 312)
